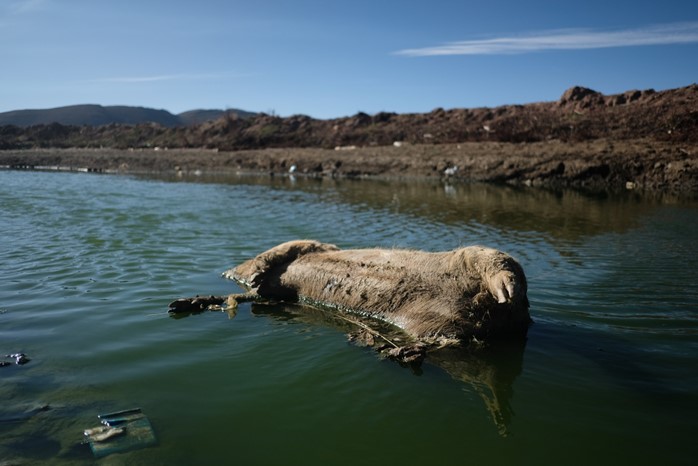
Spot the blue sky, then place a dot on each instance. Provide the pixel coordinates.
(329, 59)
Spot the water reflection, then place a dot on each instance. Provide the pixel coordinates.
(559, 215)
(490, 372)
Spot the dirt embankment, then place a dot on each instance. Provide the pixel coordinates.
(595, 165)
(635, 140)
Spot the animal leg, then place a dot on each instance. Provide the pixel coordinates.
(501, 275)
(201, 303)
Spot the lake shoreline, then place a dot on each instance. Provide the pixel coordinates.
(597, 165)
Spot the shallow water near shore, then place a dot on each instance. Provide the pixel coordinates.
(89, 263)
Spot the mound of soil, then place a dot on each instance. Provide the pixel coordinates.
(579, 115)
(634, 140)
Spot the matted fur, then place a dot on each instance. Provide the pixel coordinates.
(472, 291)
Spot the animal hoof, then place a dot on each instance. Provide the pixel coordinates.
(196, 304)
(184, 305)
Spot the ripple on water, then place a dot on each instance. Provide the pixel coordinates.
(90, 263)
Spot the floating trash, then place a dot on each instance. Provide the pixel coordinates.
(20, 359)
(120, 431)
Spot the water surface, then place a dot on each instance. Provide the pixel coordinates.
(89, 262)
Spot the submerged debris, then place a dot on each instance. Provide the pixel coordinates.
(102, 433)
(120, 431)
(408, 354)
(18, 413)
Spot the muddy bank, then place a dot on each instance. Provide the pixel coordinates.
(594, 165)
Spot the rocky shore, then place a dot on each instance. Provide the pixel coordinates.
(598, 165)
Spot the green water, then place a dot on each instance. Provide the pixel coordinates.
(88, 263)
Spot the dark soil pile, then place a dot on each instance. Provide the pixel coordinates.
(580, 115)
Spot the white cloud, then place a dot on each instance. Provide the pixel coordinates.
(569, 39)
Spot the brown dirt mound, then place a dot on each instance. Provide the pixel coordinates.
(637, 139)
(581, 114)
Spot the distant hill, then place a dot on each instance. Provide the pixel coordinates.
(98, 115)
(580, 114)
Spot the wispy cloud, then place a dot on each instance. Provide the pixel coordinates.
(567, 39)
(165, 77)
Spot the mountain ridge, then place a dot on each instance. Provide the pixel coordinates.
(99, 115)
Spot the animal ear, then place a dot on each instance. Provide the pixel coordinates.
(288, 252)
(256, 270)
